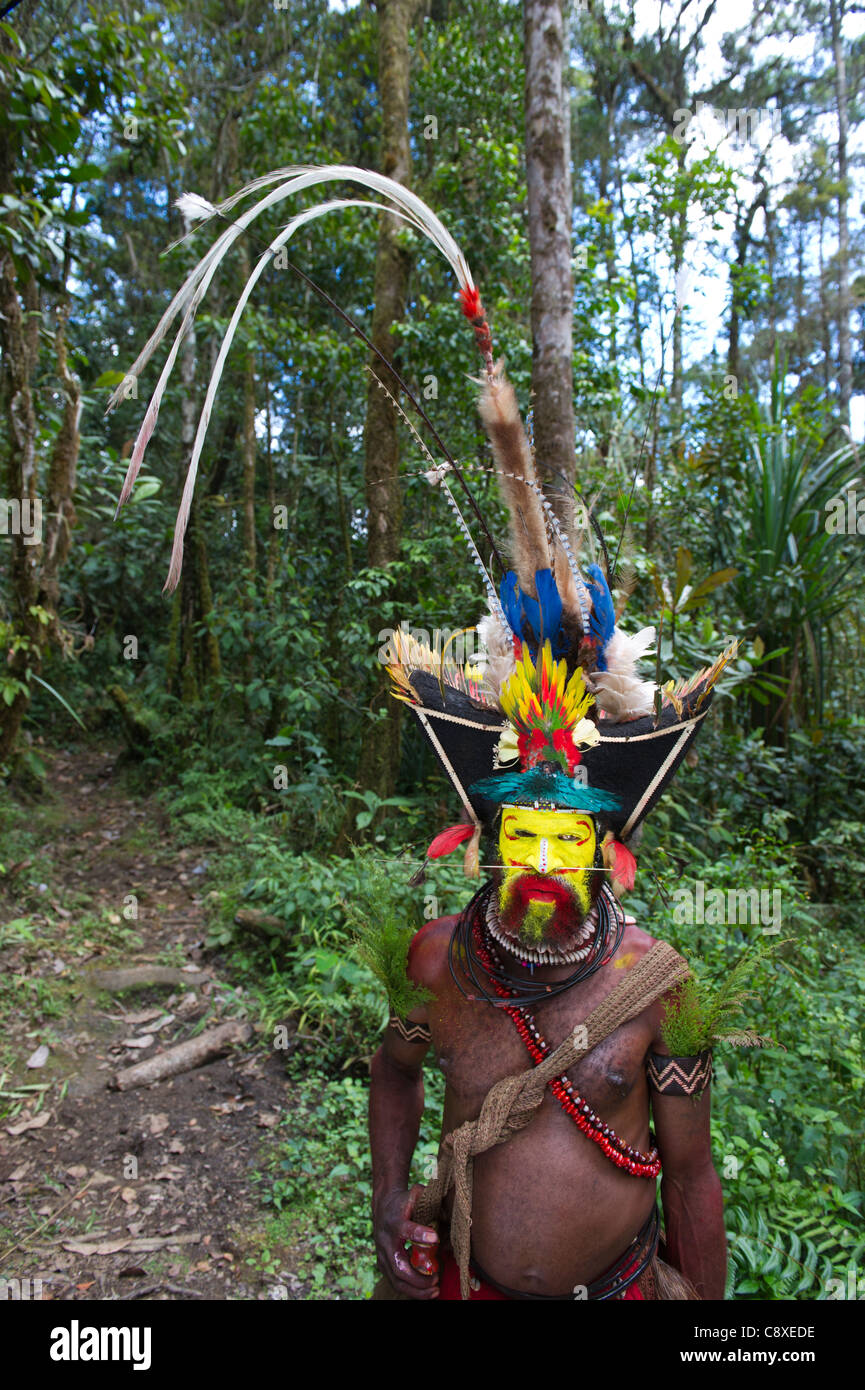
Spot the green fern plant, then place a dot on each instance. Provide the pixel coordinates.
(381, 940)
(782, 1263)
(831, 1238)
(702, 1013)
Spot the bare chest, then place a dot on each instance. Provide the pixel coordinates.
(476, 1045)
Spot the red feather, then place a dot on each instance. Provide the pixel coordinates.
(471, 303)
(624, 866)
(448, 840)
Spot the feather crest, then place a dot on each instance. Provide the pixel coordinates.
(523, 788)
(603, 619)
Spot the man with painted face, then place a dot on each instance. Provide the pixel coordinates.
(566, 1207)
(545, 1004)
(548, 885)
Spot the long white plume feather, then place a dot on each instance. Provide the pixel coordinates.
(407, 206)
(289, 181)
(308, 215)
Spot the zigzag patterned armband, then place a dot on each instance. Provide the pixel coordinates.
(679, 1076)
(411, 1032)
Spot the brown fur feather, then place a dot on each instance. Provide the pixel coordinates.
(501, 417)
(567, 587)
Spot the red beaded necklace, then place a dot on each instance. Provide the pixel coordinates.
(640, 1165)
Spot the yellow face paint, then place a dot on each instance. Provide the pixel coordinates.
(558, 843)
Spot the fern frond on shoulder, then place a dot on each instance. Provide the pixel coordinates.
(702, 1013)
(381, 940)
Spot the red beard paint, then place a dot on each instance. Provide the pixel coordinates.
(564, 922)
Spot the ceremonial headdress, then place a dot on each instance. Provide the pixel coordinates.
(552, 710)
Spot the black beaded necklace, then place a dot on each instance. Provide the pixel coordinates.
(465, 963)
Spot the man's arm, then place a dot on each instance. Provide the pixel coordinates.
(695, 1238)
(396, 1096)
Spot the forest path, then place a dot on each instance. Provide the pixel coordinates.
(109, 1194)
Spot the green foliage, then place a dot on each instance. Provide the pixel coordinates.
(796, 576)
(800, 1256)
(382, 940)
(49, 117)
(310, 975)
(788, 1125)
(318, 1181)
(704, 1012)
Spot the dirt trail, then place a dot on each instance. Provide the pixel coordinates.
(145, 1193)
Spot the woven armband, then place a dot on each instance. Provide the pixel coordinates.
(411, 1032)
(679, 1076)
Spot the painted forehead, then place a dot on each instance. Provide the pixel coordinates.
(554, 813)
(555, 822)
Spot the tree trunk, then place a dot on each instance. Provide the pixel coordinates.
(845, 351)
(607, 154)
(825, 335)
(272, 533)
(636, 298)
(60, 511)
(550, 208)
(800, 298)
(20, 345)
(742, 241)
(679, 238)
(249, 452)
(770, 258)
(39, 543)
(380, 750)
(249, 460)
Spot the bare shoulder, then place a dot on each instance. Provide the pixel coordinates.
(428, 953)
(635, 944)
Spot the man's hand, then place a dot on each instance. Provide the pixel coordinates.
(393, 1227)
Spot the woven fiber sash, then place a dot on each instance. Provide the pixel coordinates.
(511, 1102)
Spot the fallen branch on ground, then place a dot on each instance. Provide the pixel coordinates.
(254, 920)
(185, 1057)
(159, 1288)
(142, 976)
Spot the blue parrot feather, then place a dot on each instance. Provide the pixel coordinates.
(543, 614)
(603, 617)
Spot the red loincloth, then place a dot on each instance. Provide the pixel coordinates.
(449, 1283)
